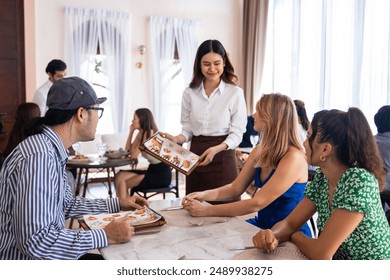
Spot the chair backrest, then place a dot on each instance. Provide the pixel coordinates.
(172, 188)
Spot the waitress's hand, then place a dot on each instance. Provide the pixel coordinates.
(207, 156)
(168, 136)
(179, 139)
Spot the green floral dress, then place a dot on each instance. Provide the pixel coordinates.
(357, 190)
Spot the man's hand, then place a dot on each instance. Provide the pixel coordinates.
(131, 203)
(119, 231)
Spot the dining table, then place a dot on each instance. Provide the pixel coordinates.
(246, 150)
(104, 170)
(196, 238)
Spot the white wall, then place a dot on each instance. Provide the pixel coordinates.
(220, 19)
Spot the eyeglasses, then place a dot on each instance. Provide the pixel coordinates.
(100, 110)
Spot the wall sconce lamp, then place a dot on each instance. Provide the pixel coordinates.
(141, 50)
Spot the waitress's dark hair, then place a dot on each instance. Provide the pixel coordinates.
(215, 46)
(51, 118)
(352, 139)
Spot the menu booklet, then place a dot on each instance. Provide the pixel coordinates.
(170, 153)
(140, 219)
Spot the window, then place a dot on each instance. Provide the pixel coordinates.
(171, 37)
(89, 30)
(330, 54)
(175, 90)
(100, 84)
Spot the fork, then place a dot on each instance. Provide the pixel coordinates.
(200, 223)
(146, 231)
(252, 247)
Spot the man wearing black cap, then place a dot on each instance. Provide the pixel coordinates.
(35, 200)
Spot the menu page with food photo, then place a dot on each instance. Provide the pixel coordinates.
(141, 218)
(171, 153)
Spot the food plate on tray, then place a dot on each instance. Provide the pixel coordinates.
(79, 159)
(139, 217)
(116, 154)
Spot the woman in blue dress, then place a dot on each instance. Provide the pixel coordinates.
(277, 164)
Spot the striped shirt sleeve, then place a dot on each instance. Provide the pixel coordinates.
(37, 203)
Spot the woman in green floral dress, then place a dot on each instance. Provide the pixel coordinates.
(344, 192)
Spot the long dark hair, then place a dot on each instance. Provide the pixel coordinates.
(24, 114)
(146, 122)
(215, 46)
(51, 118)
(351, 136)
(301, 111)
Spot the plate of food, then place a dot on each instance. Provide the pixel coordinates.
(116, 154)
(137, 217)
(79, 159)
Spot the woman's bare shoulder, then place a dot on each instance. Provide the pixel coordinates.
(296, 155)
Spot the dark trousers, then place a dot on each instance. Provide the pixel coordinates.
(90, 256)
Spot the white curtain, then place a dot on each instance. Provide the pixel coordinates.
(81, 29)
(115, 44)
(186, 34)
(84, 29)
(164, 32)
(328, 53)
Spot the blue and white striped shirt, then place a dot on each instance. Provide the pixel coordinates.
(35, 201)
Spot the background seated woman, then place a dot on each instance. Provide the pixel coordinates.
(158, 173)
(277, 164)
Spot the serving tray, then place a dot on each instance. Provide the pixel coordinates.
(143, 218)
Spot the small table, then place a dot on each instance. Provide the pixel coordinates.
(108, 165)
(246, 150)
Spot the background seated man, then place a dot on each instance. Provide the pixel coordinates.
(382, 122)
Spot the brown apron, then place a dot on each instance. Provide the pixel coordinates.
(221, 171)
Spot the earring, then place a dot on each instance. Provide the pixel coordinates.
(322, 158)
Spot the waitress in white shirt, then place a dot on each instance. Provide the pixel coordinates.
(213, 118)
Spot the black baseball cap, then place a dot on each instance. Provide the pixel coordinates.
(72, 93)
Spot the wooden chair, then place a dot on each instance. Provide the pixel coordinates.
(148, 193)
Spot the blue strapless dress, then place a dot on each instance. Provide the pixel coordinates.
(281, 207)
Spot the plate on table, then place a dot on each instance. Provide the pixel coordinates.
(79, 159)
(137, 217)
(116, 154)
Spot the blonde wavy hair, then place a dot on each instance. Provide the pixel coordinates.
(280, 131)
